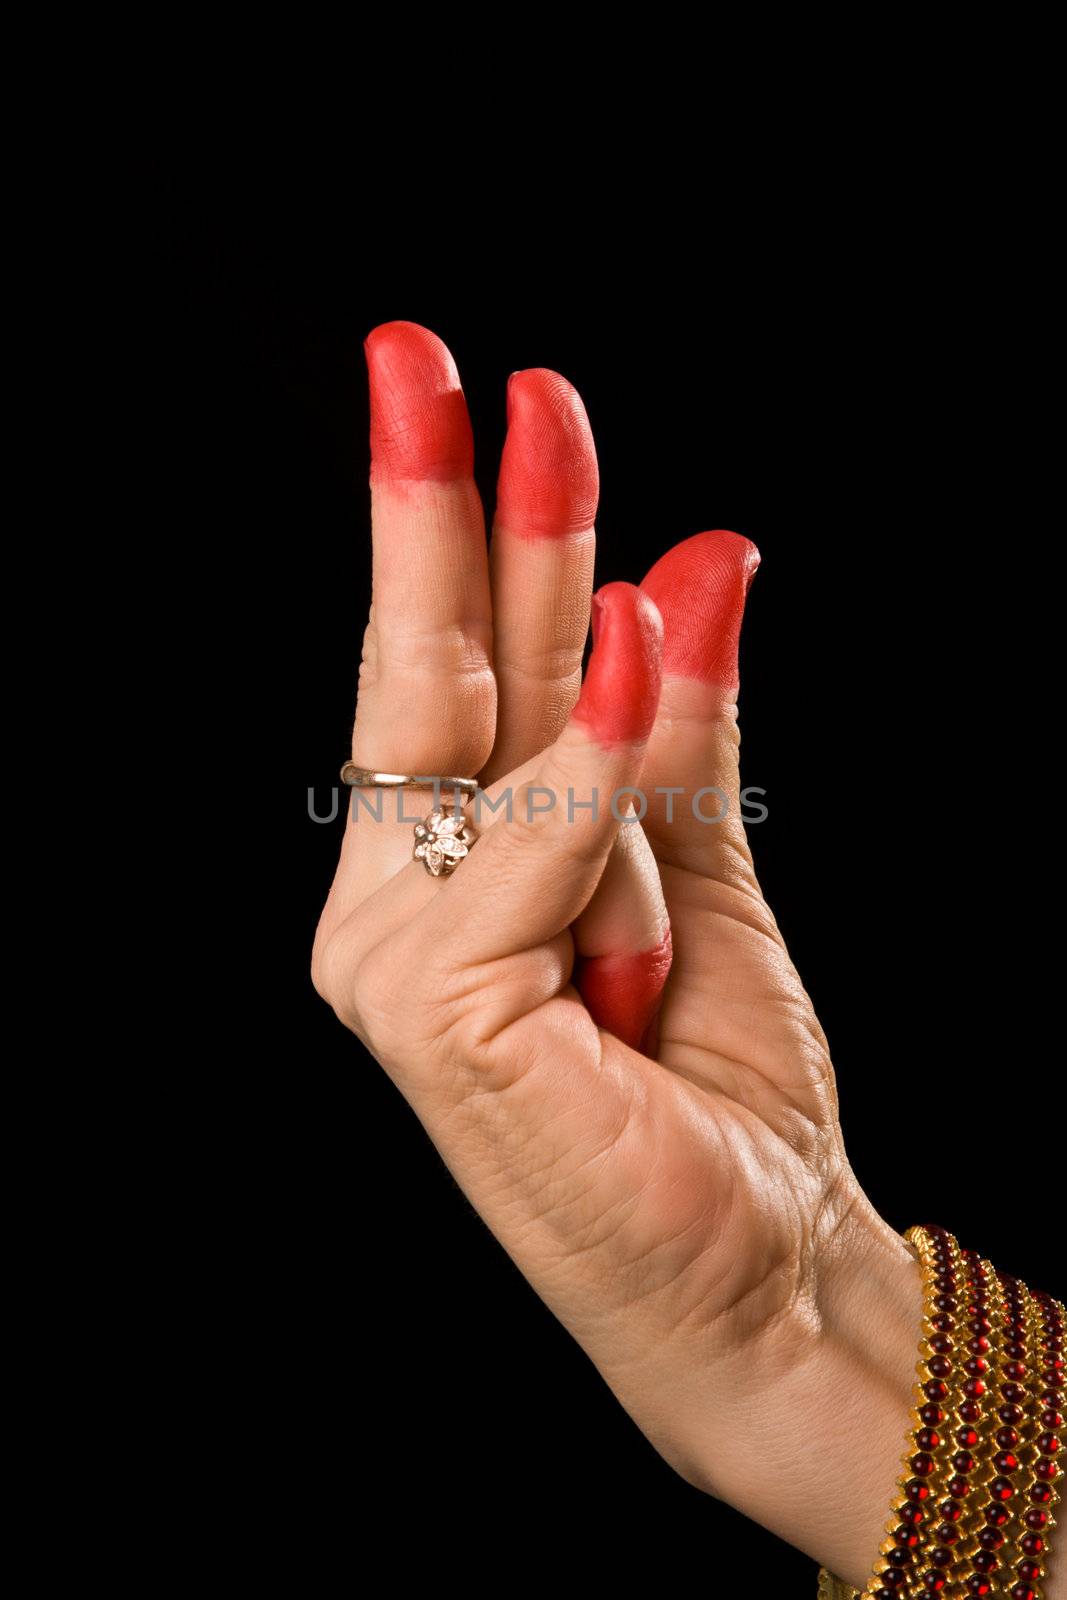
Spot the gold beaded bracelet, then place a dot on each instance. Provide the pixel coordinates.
(974, 1505)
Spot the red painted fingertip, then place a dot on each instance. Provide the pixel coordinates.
(620, 692)
(419, 424)
(549, 480)
(700, 588)
(622, 993)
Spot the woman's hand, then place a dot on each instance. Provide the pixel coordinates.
(686, 1209)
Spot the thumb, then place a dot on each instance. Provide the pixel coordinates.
(536, 868)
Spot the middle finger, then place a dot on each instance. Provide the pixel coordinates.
(541, 563)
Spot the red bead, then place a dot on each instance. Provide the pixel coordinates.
(941, 1344)
(1047, 1469)
(922, 1465)
(950, 1510)
(967, 1438)
(1041, 1494)
(979, 1585)
(1032, 1544)
(996, 1515)
(1001, 1489)
(971, 1411)
(1013, 1394)
(1023, 1591)
(991, 1538)
(1006, 1462)
(1015, 1370)
(915, 1489)
(1036, 1518)
(1052, 1397)
(985, 1561)
(979, 1324)
(1007, 1438)
(912, 1514)
(932, 1415)
(935, 1389)
(906, 1537)
(940, 1366)
(948, 1533)
(933, 1581)
(1010, 1414)
(977, 1365)
(893, 1578)
(927, 1439)
(979, 1346)
(1016, 1351)
(963, 1461)
(958, 1488)
(1052, 1419)
(1048, 1444)
(1030, 1570)
(940, 1556)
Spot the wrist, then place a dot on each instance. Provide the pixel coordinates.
(810, 1438)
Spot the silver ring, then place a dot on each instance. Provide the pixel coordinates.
(366, 778)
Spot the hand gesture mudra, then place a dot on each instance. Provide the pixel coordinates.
(594, 1015)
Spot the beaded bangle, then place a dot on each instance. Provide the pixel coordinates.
(982, 1533)
(1043, 1454)
(940, 1551)
(974, 1506)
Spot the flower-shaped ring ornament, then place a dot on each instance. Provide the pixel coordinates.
(441, 841)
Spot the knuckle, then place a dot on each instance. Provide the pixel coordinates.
(392, 1002)
(331, 977)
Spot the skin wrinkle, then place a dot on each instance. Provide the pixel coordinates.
(727, 1202)
(749, 911)
(742, 1070)
(643, 1263)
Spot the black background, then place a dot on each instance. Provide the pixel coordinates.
(861, 406)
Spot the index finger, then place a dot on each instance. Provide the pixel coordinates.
(427, 697)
